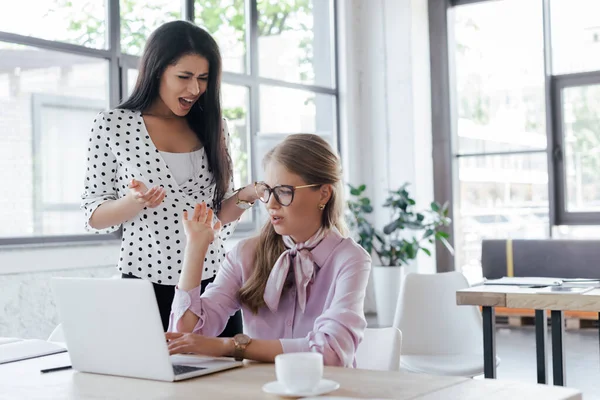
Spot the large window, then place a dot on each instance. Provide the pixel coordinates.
(526, 113)
(62, 61)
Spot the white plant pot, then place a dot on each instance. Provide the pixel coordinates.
(387, 282)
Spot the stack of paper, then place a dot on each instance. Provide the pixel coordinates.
(565, 290)
(18, 349)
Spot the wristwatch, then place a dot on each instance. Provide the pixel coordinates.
(240, 341)
(243, 204)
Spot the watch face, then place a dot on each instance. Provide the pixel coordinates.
(242, 339)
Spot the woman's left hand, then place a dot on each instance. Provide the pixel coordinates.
(193, 343)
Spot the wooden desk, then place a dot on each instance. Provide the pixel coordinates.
(23, 380)
(489, 296)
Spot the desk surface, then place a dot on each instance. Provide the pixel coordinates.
(23, 380)
(521, 297)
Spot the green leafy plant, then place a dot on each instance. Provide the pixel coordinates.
(408, 232)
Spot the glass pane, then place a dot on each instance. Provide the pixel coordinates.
(226, 21)
(235, 110)
(575, 35)
(295, 41)
(80, 22)
(284, 111)
(132, 75)
(140, 18)
(499, 197)
(48, 101)
(500, 102)
(581, 113)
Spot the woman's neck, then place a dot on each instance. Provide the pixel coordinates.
(303, 237)
(159, 109)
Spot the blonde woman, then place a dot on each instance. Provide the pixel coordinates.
(300, 284)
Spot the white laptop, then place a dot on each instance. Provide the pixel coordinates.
(113, 327)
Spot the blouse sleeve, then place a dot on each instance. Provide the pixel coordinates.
(99, 185)
(218, 302)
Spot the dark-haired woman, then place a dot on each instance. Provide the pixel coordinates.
(159, 153)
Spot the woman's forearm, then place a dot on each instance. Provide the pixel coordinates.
(257, 350)
(193, 264)
(191, 277)
(115, 212)
(230, 211)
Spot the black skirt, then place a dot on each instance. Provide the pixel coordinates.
(164, 297)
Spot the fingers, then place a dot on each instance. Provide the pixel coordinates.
(152, 198)
(202, 213)
(173, 335)
(134, 184)
(179, 348)
(157, 198)
(180, 342)
(199, 209)
(145, 196)
(218, 226)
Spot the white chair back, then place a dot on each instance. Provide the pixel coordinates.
(380, 349)
(57, 335)
(431, 322)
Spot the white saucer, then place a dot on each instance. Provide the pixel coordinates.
(325, 386)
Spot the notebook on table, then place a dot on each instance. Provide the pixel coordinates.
(24, 349)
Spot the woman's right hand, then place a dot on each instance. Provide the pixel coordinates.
(200, 226)
(146, 198)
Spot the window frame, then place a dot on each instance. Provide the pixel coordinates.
(120, 62)
(443, 89)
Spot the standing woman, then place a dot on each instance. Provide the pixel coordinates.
(158, 154)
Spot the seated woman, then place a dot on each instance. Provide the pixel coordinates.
(300, 284)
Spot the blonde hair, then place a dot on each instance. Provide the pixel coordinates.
(311, 158)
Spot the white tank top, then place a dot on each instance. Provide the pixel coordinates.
(183, 165)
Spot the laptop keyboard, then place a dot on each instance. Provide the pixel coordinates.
(184, 369)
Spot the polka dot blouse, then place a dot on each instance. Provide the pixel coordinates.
(153, 242)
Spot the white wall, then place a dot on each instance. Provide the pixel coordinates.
(385, 101)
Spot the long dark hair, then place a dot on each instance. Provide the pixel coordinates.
(165, 46)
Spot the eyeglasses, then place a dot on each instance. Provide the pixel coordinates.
(284, 194)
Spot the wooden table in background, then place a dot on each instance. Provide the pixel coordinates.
(23, 380)
(490, 296)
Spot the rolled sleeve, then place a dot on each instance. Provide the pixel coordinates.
(182, 301)
(99, 184)
(214, 307)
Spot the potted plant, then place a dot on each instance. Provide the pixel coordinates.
(408, 233)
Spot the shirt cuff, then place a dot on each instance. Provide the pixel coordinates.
(295, 345)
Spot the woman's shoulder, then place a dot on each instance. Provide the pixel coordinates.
(113, 115)
(115, 120)
(354, 250)
(245, 249)
(346, 251)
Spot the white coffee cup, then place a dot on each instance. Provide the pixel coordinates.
(299, 372)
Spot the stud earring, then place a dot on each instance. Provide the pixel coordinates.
(321, 207)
